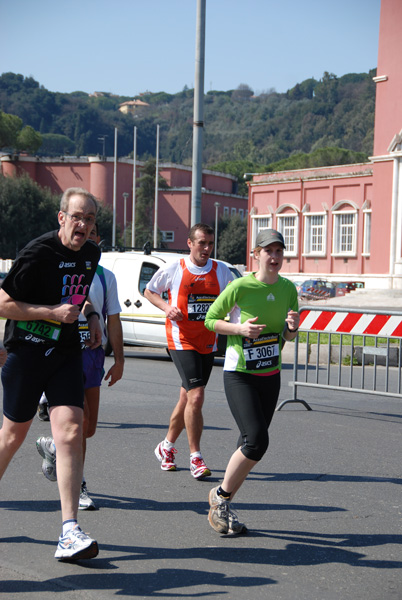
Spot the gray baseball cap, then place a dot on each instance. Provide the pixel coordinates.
(269, 236)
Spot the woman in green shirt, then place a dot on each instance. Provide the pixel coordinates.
(263, 309)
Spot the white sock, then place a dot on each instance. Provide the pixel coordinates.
(195, 454)
(68, 525)
(167, 445)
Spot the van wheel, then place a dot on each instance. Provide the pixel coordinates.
(108, 348)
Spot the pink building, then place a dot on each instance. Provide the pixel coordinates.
(97, 175)
(345, 222)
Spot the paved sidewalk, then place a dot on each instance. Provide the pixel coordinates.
(362, 298)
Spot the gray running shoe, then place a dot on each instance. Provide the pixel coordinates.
(218, 515)
(44, 446)
(234, 524)
(76, 545)
(86, 503)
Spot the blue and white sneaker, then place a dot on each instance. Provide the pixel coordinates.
(44, 445)
(76, 545)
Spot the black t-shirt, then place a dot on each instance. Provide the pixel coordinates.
(47, 273)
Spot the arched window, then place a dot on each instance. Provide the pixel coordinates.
(287, 218)
(259, 222)
(344, 239)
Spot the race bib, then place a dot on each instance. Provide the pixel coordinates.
(83, 330)
(38, 332)
(198, 305)
(261, 353)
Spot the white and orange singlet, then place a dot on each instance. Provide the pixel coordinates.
(192, 289)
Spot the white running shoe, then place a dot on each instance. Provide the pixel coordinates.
(86, 503)
(198, 468)
(76, 545)
(234, 524)
(218, 515)
(44, 446)
(166, 457)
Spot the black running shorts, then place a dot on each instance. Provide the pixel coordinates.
(30, 371)
(194, 368)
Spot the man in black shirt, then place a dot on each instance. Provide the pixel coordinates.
(42, 297)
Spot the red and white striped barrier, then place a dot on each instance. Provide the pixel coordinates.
(353, 323)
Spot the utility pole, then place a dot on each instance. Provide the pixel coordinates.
(217, 205)
(114, 188)
(156, 189)
(134, 189)
(198, 119)
(125, 196)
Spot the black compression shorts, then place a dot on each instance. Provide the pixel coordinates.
(252, 400)
(30, 371)
(194, 368)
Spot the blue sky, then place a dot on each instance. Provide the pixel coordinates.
(129, 48)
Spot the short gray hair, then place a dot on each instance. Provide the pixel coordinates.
(65, 199)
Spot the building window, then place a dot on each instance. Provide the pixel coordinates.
(287, 225)
(167, 236)
(344, 237)
(232, 212)
(315, 235)
(225, 211)
(241, 213)
(366, 232)
(259, 223)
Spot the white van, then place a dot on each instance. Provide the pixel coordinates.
(143, 324)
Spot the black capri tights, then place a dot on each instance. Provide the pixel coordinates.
(252, 400)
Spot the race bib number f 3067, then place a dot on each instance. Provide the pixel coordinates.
(261, 353)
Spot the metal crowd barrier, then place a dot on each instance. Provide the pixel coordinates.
(334, 365)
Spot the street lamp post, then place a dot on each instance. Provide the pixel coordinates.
(217, 205)
(102, 138)
(125, 196)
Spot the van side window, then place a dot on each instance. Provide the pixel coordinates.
(146, 274)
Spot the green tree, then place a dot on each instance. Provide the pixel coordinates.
(26, 211)
(28, 139)
(145, 200)
(14, 136)
(232, 240)
(54, 144)
(104, 219)
(10, 125)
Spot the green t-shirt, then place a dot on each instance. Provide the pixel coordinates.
(243, 299)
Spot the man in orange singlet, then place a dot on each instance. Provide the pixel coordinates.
(192, 284)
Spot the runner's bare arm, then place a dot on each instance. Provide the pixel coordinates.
(23, 311)
(172, 312)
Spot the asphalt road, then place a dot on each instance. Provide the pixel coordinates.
(323, 507)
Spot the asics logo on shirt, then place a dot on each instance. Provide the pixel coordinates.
(66, 265)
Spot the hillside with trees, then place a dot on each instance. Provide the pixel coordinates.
(241, 129)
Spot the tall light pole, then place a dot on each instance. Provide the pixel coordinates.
(102, 138)
(134, 188)
(156, 189)
(114, 188)
(217, 205)
(125, 196)
(198, 118)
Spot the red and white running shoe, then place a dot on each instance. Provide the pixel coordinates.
(198, 468)
(166, 457)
